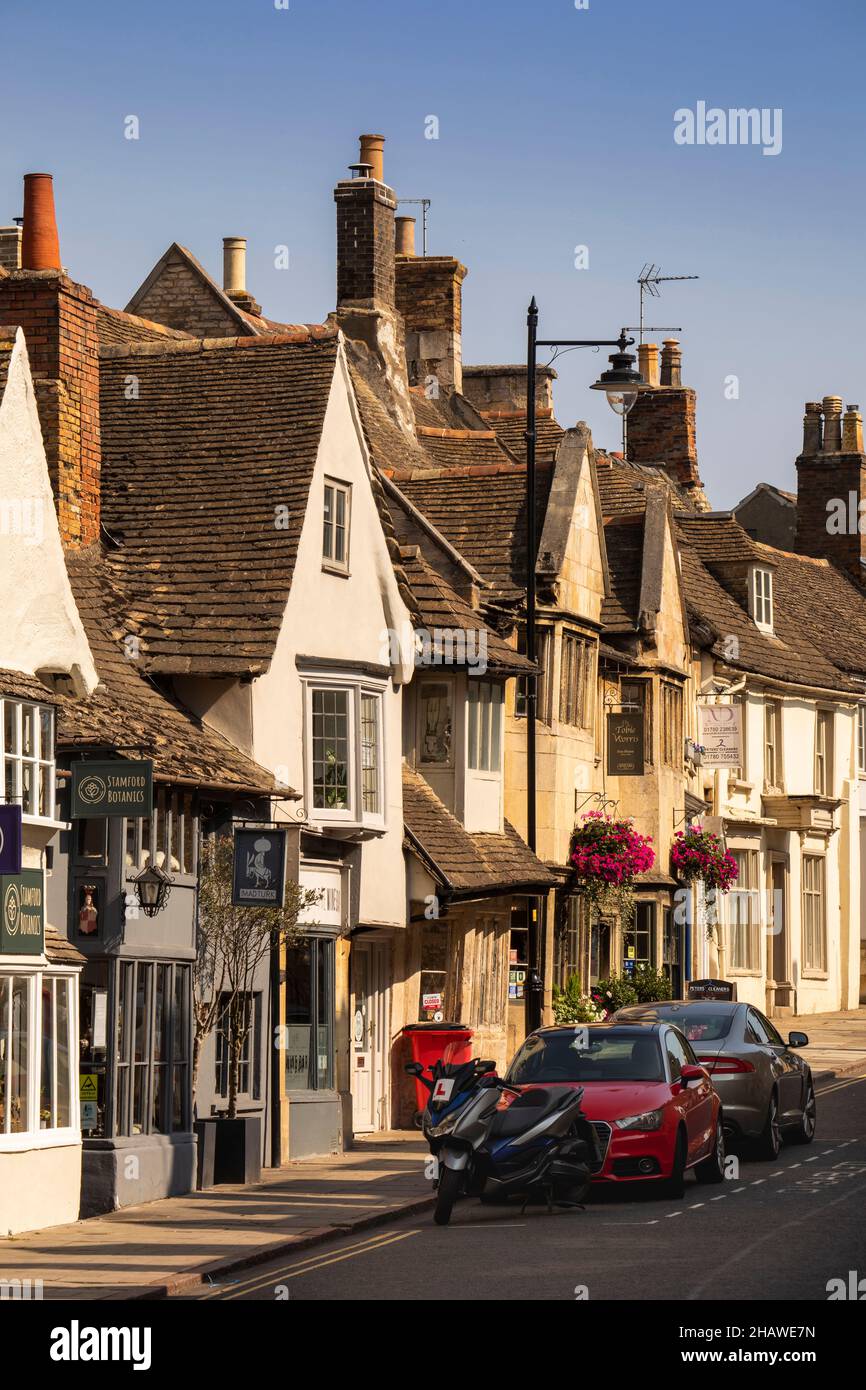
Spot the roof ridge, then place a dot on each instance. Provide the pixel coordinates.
(308, 335)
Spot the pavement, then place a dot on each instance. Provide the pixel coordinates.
(180, 1245)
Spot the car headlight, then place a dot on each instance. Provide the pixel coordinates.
(444, 1127)
(648, 1119)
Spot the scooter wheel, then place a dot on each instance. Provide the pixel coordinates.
(450, 1185)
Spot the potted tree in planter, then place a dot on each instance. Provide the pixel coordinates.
(233, 942)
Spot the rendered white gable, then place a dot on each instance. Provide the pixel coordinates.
(41, 628)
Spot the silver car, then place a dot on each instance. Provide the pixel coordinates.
(766, 1090)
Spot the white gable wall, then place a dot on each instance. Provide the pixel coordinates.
(41, 629)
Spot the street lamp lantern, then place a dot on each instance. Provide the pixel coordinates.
(152, 888)
(622, 381)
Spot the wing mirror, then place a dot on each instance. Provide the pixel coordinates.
(690, 1073)
(798, 1040)
(414, 1069)
(484, 1066)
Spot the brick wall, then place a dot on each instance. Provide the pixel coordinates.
(832, 478)
(365, 241)
(59, 322)
(428, 293)
(179, 298)
(661, 429)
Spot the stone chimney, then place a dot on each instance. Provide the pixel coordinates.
(660, 426)
(10, 248)
(500, 391)
(831, 486)
(58, 318)
(235, 274)
(429, 295)
(366, 309)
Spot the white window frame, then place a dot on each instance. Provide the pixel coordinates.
(824, 755)
(329, 561)
(353, 814)
(761, 598)
(773, 749)
(744, 914)
(38, 1138)
(35, 760)
(814, 914)
(861, 740)
(474, 700)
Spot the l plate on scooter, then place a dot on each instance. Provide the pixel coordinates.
(443, 1088)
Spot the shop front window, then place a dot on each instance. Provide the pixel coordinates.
(309, 1060)
(247, 1021)
(152, 1030)
(639, 939)
(37, 1078)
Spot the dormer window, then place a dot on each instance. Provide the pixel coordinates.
(761, 598)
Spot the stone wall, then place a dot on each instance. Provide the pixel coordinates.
(179, 298)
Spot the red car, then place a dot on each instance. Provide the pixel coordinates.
(652, 1106)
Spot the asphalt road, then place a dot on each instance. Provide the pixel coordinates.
(776, 1231)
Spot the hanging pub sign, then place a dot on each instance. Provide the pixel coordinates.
(115, 788)
(22, 913)
(625, 743)
(259, 872)
(10, 839)
(721, 735)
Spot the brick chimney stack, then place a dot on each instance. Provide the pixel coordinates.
(660, 427)
(59, 322)
(405, 236)
(831, 486)
(10, 248)
(366, 308)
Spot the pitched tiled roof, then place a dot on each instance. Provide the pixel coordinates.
(624, 541)
(819, 627)
(60, 951)
(510, 427)
(127, 710)
(23, 687)
(217, 447)
(439, 607)
(466, 864)
(116, 327)
(482, 512)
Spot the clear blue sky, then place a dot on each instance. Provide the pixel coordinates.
(555, 129)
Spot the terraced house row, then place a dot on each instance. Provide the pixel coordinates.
(286, 565)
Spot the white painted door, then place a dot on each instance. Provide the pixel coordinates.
(370, 1036)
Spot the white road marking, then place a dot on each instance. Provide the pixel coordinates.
(719, 1199)
(674, 1213)
(740, 1189)
(792, 1166)
(695, 1205)
(778, 1173)
(811, 1160)
(757, 1182)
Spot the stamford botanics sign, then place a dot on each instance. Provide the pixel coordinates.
(22, 913)
(116, 788)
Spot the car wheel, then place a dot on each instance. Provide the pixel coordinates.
(712, 1169)
(450, 1183)
(770, 1140)
(676, 1183)
(804, 1131)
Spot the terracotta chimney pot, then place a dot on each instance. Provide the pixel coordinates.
(812, 429)
(235, 264)
(672, 358)
(852, 430)
(405, 236)
(648, 362)
(372, 147)
(832, 424)
(40, 247)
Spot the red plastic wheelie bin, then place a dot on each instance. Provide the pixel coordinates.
(428, 1042)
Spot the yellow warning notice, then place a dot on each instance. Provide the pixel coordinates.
(87, 1086)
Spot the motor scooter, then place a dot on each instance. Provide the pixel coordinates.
(451, 1085)
(541, 1148)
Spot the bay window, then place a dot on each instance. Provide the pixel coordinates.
(27, 751)
(38, 1046)
(484, 736)
(345, 765)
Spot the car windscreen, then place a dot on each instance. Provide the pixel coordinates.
(699, 1023)
(587, 1055)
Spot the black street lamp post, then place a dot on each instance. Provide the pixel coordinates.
(621, 383)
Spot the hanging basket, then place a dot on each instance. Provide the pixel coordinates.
(698, 856)
(606, 855)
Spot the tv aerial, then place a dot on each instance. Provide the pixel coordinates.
(649, 280)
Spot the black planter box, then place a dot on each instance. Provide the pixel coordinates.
(238, 1150)
(206, 1136)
